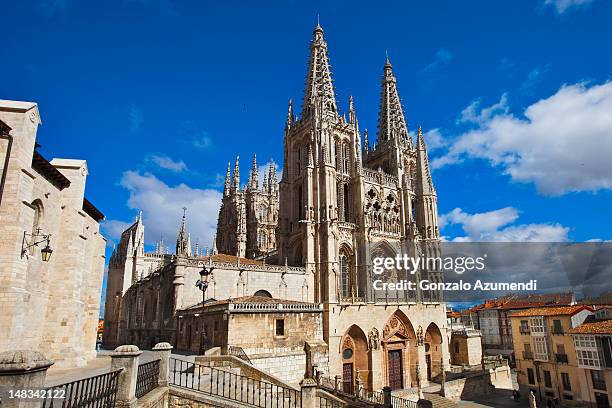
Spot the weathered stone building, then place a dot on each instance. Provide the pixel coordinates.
(145, 290)
(341, 204)
(53, 305)
(271, 332)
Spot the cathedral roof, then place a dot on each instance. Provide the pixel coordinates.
(225, 258)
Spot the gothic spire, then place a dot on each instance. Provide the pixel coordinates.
(366, 143)
(289, 115)
(236, 179)
(272, 177)
(424, 183)
(319, 83)
(352, 115)
(254, 175)
(391, 120)
(183, 240)
(226, 188)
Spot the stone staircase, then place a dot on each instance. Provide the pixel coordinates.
(229, 379)
(439, 401)
(433, 396)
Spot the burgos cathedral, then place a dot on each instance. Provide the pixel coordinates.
(292, 259)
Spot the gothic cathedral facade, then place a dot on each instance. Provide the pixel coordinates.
(341, 203)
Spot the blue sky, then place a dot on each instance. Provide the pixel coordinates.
(158, 95)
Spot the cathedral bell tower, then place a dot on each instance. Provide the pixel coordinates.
(321, 161)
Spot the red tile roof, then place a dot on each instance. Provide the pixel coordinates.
(601, 327)
(551, 311)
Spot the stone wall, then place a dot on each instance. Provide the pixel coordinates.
(145, 314)
(474, 385)
(465, 349)
(288, 365)
(51, 306)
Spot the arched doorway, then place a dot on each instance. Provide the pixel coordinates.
(433, 351)
(355, 357)
(399, 351)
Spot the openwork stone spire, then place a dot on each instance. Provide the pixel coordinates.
(183, 240)
(391, 120)
(236, 179)
(226, 188)
(254, 175)
(424, 184)
(319, 83)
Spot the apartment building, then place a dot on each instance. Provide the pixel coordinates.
(494, 322)
(563, 354)
(593, 345)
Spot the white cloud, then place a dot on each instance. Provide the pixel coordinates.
(167, 163)
(473, 113)
(442, 57)
(494, 226)
(561, 6)
(562, 143)
(433, 139)
(113, 229)
(162, 205)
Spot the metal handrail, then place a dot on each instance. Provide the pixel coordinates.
(147, 377)
(235, 387)
(98, 391)
(239, 352)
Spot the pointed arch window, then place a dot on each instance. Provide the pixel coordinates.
(298, 162)
(262, 239)
(345, 158)
(345, 277)
(346, 203)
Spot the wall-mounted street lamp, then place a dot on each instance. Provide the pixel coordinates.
(202, 284)
(32, 240)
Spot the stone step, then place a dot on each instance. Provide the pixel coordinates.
(439, 402)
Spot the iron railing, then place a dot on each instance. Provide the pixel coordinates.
(99, 391)
(239, 352)
(397, 402)
(226, 384)
(369, 397)
(147, 378)
(328, 403)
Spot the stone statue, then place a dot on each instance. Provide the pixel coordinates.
(373, 339)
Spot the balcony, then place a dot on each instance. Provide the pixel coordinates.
(527, 355)
(561, 358)
(524, 330)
